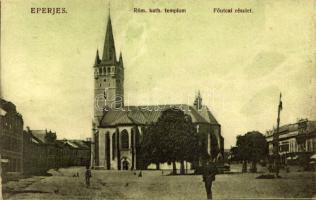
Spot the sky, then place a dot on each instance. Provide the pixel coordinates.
(239, 62)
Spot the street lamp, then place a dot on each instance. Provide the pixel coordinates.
(92, 146)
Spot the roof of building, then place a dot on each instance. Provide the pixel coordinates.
(80, 144)
(150, 114)
(311, 127)
(7, 105)
(31, 137)
(8, 108)
(39, 134)
(71, 144)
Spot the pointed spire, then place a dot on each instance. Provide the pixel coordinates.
(121, 58)
(109, 47)
(109, 7)
(198, 101)
(97, 58)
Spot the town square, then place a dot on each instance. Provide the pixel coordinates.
(154, 185)
(119, 100)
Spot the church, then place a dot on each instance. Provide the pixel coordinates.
(118, 128)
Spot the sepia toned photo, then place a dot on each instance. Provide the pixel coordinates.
(157, 99)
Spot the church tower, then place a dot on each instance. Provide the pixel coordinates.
(108, 77)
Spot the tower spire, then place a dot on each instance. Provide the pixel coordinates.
(121, 58)
(97, 58)
(109, 53)
(109, 7)
(198, 101)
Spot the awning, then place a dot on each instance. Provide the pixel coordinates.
(313, 157)
(292, 158)
(4, 160)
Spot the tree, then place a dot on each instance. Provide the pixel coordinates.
(152, 147)
(233, 154)
(251, 147)
(172, 138)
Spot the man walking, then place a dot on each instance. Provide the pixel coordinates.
(209, 173)
(88, 176)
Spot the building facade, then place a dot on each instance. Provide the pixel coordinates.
(34, 154)
(294, 139)
(11, 137)
(118, 128)
(40, 154)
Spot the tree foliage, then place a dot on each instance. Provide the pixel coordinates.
(251, 147)
(172, 138)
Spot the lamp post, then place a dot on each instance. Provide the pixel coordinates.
(92, 159)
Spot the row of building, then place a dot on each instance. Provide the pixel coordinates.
(297, 143)
(35, 151)
(295, 140)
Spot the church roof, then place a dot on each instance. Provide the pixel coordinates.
(150, 114)
(206, 114)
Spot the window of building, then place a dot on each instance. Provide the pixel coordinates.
(124, 139)
(137, 139)
(113, 146)
(284, 147)
(133, 139)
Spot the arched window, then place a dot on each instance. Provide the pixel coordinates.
(124, 139)
(113, 146)
(137, 139)
(133, 140)
(107, 150)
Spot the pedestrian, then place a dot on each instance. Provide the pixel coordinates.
(88, 176)
(140, 174)
(209, 173)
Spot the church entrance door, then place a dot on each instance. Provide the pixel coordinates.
(125, 165)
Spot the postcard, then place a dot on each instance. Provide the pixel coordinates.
(157, 99)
